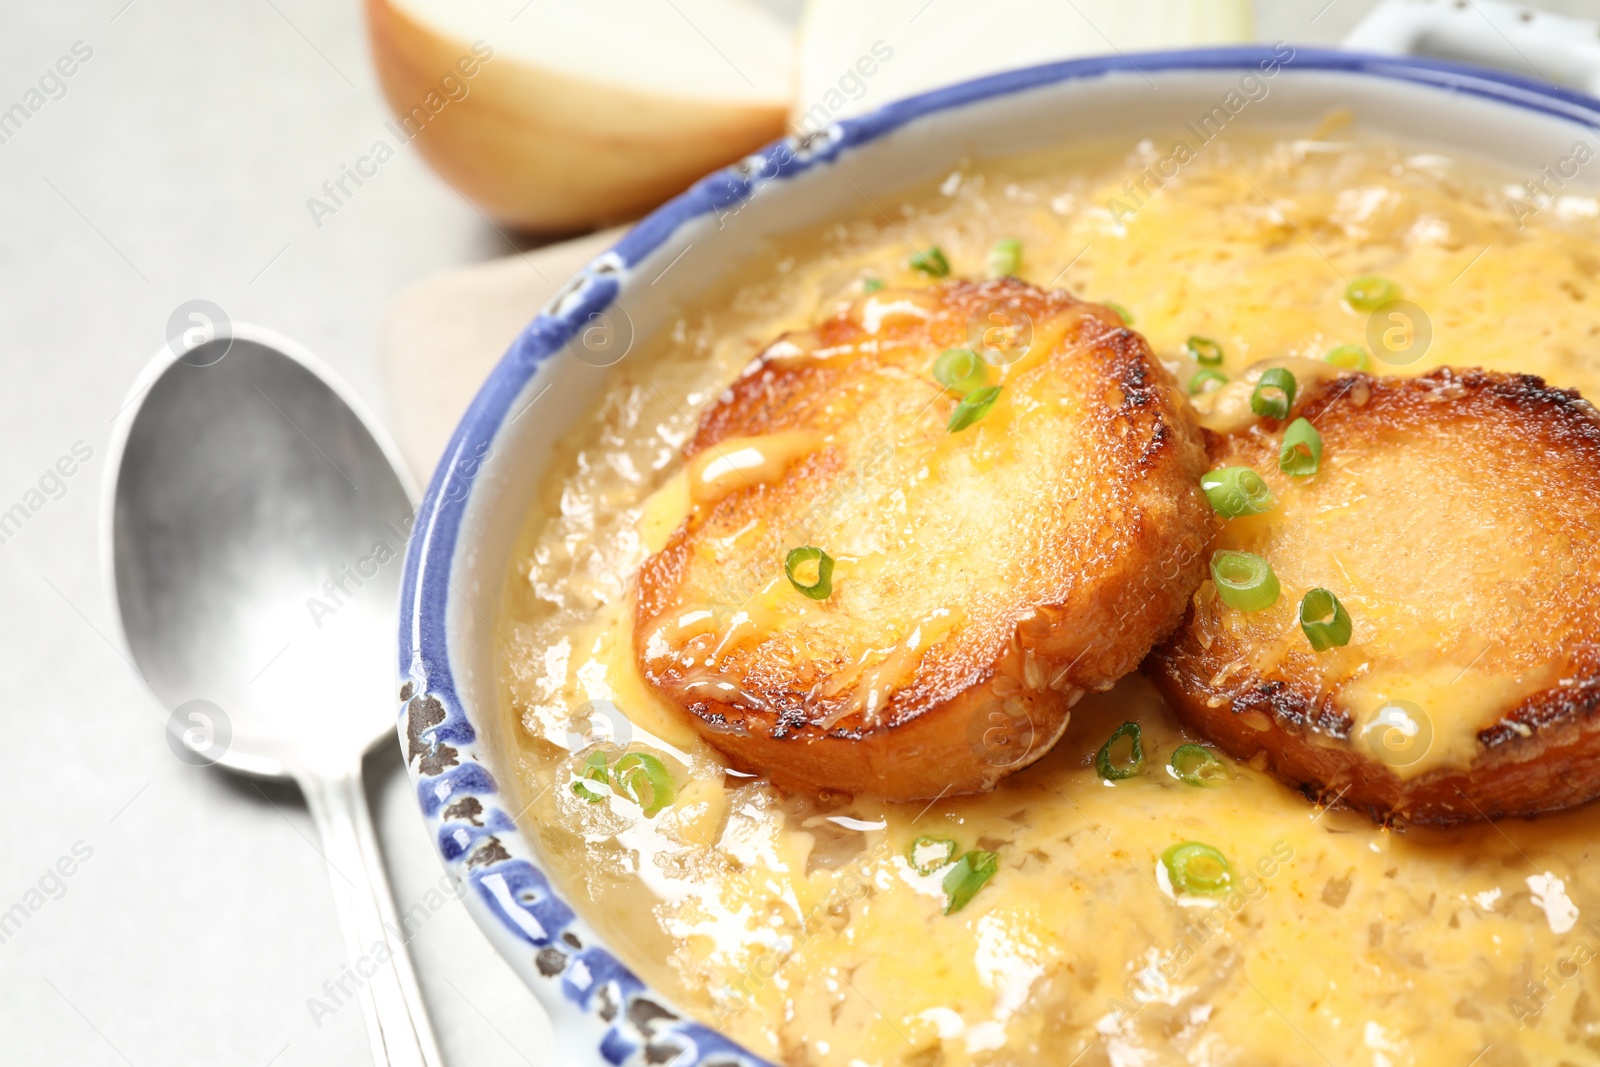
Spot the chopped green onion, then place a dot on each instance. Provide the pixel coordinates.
(1194, 867)
(1244, 580)
(974, 406)
(1236, 491)
(931, 262)
(1301, 453)
(1205, 379)
(928, 854)
(1350, 357)
(967, 877)
(1203, 350)
(1274, 394)
(1113, 765)
(1198, 765)
(823, 586)
(645, 780)
(1005, 258)
(594, 770)
(1325, 621)
(872, 285)
(589, 794)
(1369, 292)
(1122, 313)
(960, 370)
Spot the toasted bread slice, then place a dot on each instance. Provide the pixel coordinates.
(1457, 518)
(983, 578)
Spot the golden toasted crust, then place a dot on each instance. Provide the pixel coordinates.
(1457, 517)
(984, 579)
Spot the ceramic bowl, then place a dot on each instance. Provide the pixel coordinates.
(466, 530)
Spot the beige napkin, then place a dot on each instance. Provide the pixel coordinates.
(442, 335)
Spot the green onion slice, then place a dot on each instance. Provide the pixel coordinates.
(967, 877)
(1198, 765)
(1350, 357)
(974, 406)
(1301, 454)
(1203, 350)
(1236, 491)
(1325, 621)
(872, 285)
(823, 586)
(1122, 313)
(960, 370)
(1206, 379)
(931, 262)
(1274, 394)
(1197, 868)
(928, 854)
(594, 770)
(1005, 258)
(1111, 763)
(1244, 580)
(645, 780)
(1370, 292)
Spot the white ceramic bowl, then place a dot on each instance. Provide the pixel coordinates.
(480, 495)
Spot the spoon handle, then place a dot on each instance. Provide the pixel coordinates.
(380, 974)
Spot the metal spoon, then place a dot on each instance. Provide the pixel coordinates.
(255, 528)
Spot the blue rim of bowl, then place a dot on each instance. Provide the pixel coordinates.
(457, 791)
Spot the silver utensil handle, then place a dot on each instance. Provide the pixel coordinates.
(379, 975)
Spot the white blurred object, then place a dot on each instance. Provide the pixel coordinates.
(1548, 47)
(855, 55)
(725, 50)
(564, 114)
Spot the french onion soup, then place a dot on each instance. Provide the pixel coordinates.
(1087, 622)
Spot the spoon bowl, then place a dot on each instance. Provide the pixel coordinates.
(255, 525)
(257, 529)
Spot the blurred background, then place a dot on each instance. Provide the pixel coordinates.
(397, 187)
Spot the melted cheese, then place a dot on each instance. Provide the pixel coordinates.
(1227, 409)
(798, 925)
(664, 512)
(871, 679)
(1391, 708)
(1442, 642)
(741, 462)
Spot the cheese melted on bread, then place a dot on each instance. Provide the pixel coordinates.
(1457, 518)
(980, 577)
